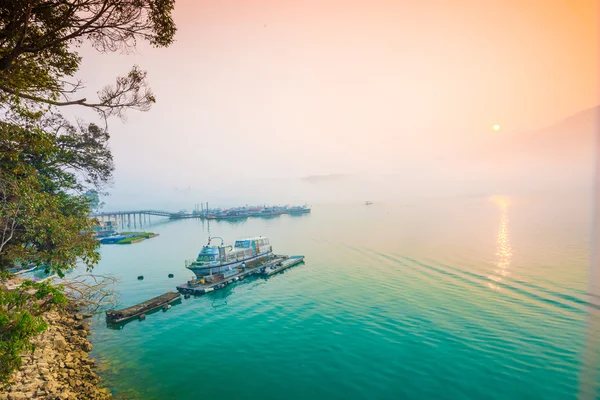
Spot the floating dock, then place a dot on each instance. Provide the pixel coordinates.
(195, 286)
(278, 267)
(116, 316)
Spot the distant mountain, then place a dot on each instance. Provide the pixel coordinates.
(560, 156)
(572, 141)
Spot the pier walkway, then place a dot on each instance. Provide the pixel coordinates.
(128, 214)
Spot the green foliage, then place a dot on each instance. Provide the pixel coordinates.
(51, 170)
(20, 320)
(40, 177)
(46, 163)
(38, 40)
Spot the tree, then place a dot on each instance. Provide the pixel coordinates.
(43, 172)
(48, 164)
(94, 198)
(38, 60)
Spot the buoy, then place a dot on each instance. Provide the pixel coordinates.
(166, 307)
(140, 277)
(171, 275)
(142, 317)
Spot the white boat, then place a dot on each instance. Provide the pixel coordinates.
(214, 259)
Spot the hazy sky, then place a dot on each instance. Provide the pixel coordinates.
(286, 89)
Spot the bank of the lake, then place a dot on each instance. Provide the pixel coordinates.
(60, 366)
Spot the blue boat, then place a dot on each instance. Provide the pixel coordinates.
(221, 259)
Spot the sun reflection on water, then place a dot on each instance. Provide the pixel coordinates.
(503, 250)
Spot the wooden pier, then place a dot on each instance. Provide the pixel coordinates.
(116, 316)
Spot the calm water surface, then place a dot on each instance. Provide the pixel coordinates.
(479, 298)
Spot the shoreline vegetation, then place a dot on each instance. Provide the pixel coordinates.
(52, 360)
(54, 166)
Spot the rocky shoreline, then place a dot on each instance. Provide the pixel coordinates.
(60, 367)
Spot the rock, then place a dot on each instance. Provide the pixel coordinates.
(64, 395)
(83, 326)
(17, 396)
(78, 317)
(59, 342)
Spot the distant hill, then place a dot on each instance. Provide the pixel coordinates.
(571, 141)
(561, 155)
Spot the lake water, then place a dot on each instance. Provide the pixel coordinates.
(472, 298)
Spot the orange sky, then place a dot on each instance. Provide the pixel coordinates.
(353, 86)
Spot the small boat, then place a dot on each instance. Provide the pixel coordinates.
(270, 212)
(299, 210)
(368, 203)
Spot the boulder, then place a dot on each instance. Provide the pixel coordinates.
(59, 342)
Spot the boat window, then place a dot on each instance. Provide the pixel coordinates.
(204, 257)
(243, 244)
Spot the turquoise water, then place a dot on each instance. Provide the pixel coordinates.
(479, 298)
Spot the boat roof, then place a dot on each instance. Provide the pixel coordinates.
(252, 238)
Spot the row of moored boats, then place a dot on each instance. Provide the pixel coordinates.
(245, 212)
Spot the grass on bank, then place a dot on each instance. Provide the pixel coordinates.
(137, 236)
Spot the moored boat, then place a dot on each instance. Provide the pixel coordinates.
(269, 212)
(299, 210)
(222, 259)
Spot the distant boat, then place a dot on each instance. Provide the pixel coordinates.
(229, 214)
(298, 210)
(270, 212)
(368, 203)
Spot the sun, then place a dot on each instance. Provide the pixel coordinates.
(496, 127)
